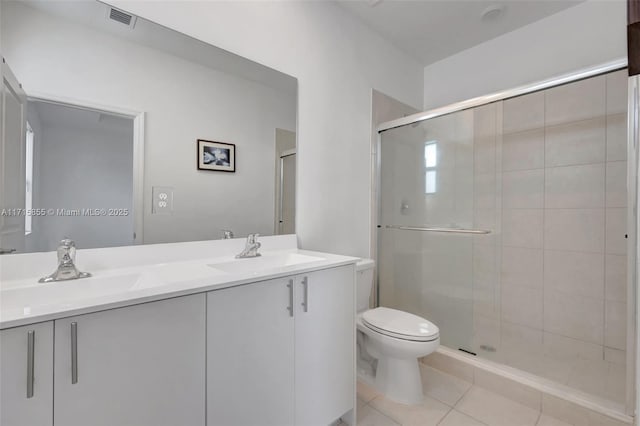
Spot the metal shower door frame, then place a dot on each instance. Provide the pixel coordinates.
(633, 223)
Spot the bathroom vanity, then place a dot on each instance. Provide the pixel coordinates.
(188, 336)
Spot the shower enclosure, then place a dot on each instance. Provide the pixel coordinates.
(505, 222)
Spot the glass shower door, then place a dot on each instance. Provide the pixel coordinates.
(437, 212)
(534, 274)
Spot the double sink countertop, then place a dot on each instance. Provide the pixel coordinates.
(25, 301)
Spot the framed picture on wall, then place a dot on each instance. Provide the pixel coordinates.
(217, 156)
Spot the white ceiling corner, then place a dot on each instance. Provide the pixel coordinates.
(431, 30)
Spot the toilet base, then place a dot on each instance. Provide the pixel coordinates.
(397, 374)
(400, 380)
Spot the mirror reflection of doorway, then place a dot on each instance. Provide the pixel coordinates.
(285, 182)
(288, 198)
(81, 163)
(13, 102)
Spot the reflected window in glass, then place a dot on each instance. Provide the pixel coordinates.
(430, 164)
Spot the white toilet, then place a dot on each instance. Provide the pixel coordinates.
(396, 339)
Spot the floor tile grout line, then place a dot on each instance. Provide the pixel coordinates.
(539, 417)
(539, 411)
(463, 395)
(445, 416)
(450, 408)
(477, 420)
(383, 414)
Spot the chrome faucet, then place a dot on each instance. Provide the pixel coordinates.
(227, 234)
(66, 268)
(251, 248)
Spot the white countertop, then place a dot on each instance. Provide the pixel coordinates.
(25, 301)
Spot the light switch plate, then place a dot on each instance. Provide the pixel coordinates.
(162, 200)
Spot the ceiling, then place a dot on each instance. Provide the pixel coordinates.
(430, 30)
(427, 30)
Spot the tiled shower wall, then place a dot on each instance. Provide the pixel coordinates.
(549, 283)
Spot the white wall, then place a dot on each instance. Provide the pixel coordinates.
(585, 35)
(337, 61)
(183, 101)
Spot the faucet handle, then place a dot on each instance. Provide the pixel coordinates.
(66, 268)
(252, 238)
(66, 251)
(227, 234)
(66, 241)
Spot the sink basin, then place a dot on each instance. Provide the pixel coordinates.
(68, 293)
(265, 262)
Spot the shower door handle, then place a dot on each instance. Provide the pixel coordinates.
(439, 229)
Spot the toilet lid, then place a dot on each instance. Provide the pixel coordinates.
(399, 324)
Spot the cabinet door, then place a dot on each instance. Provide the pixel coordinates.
(142, 365)
(250, 355)
(26, 375)
(325, 345)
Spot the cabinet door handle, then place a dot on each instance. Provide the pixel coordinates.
(305, 296)
(31, 340)
(74, 353)
(290, 307)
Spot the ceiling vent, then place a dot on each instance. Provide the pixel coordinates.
(493, 12)
(122, 17)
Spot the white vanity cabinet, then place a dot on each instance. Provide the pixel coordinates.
(26, 369)
(281, 352)
(324, 345)
(250, 355)
(273, 347)
(141, 365)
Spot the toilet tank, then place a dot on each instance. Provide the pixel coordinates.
(364, 283)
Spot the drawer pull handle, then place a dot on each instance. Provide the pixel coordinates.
(31, 340)
(290, 307)
(74, 353)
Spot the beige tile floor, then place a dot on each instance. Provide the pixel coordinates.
(448, 401)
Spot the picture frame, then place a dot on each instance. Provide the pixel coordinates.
(216, 156)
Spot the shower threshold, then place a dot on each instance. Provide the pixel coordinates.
(582, 404)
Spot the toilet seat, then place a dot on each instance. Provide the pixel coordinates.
(400, 325)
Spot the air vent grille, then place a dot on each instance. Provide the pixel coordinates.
(122, 17)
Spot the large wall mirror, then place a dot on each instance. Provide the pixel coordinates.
(102, 113)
